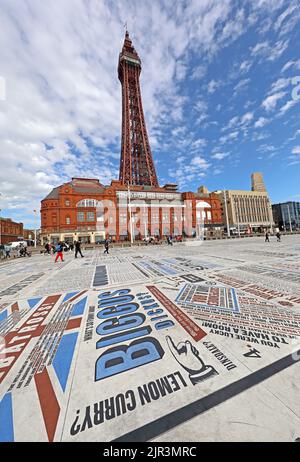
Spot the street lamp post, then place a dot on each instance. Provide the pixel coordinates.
(35, 212)
(145, 222)
(237, 210)
(130, 216)
(288, 207)
(226, 213)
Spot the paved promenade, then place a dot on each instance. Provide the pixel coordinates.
(184, 343)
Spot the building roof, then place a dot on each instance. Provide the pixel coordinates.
(79, 185)
(53, 194)
(87, 185)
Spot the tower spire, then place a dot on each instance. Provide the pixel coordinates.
(136, 164)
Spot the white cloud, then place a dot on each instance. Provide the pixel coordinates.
(199, 143)
(280, 84)
(260, 48)
(245, 66)
(281, 18)
(270, 102)
(261, 122)
(246, 118)
(287, 106)
(241, 85)
(189, 170)
(199, 162)
(289, 64)
(220, 155)
(270, 52)
(296, 150)
(213, 85)
(277, 49)
(198, 72)
(230, 137)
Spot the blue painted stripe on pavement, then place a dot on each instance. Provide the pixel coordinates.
(78, 308)
(63, 358)
(3, 315)
(6, 419)
(69, 295)
(236, 306)
(34, 301)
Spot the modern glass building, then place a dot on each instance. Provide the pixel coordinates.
(287, 215)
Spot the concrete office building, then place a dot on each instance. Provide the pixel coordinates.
(247, 211)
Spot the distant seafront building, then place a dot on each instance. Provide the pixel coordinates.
(248, 210)
(11, 231)
(134, 206)
(287, 215)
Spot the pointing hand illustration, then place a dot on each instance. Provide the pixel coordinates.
(188, 357)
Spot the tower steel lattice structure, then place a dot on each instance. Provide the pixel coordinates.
(136, 164)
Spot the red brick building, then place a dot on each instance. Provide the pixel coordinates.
(10, 231)
(84, 209)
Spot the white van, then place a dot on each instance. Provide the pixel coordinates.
(15, 244)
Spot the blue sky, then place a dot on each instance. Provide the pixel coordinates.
(220, 86)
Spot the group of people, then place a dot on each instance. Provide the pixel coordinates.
(19, 251)
(267, 236)
(5, 251)
(61, 247)
(51, 248)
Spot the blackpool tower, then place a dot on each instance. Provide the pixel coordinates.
(136, 164)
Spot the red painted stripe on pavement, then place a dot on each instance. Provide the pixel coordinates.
(73, 324)
(48, 401)
(76, 296)
(182, 318)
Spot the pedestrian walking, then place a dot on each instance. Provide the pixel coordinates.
(106, 246)
(59, 250)
(78, 249)
(169, 240)
(278, 236)
(47, 248)
(267, 237)
(7, 251)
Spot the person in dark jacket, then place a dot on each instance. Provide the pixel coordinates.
(78, 249)
(106, 246)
